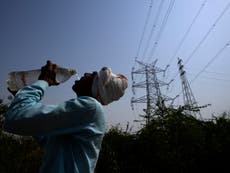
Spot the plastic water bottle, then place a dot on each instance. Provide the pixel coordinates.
(18, 79)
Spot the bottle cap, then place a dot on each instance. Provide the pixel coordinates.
(72, 71)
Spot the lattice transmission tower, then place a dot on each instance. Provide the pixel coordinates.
(153, 97)
(190, 103)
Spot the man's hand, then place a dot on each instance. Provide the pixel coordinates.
(48, 73)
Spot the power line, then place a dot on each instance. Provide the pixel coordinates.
(188, 30)
(212, 78)
(162, 27)
(211, 61)
(144, 29)
(153, 27)
(218, 73)
(152, 30)
(206, 35)
(224, 80)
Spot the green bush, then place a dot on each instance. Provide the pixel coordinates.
(172, 143)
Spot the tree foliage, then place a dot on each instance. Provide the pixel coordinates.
(171, 143)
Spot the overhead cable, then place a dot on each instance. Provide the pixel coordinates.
(211, 61)
(144, 29)
(206, 35)
(212, 78)
(155, 21)
(187, 32)
(218, 73)
(162, 28)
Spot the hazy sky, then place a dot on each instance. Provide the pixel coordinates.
(87, 35)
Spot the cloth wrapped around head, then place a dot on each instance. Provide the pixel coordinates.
(108, 87)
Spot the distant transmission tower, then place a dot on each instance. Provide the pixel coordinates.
(190, 102)
(153, 98)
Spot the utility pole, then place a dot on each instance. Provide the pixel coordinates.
(190, 102)
(153, 97)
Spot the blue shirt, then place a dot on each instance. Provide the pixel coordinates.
(72, 131)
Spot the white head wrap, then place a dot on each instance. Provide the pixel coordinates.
(108, 87)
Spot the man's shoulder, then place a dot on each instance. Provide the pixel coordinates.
(87, 101)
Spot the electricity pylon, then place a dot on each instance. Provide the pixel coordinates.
(190, 103)
(152, 85)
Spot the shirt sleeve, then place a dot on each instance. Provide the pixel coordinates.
(27, 116)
